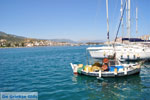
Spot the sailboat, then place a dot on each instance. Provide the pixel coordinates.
(123, 52)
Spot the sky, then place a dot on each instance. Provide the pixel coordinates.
(70, 19)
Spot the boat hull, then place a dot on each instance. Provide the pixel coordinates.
(111, 74)
(123, 53)
(126, 71)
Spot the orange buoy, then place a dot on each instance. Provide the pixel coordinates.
(104, 67)
(105, 60)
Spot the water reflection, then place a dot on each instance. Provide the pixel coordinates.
(111, 88)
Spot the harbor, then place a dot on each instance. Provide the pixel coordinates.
(109, 60)
(75, 50)
(35, 69)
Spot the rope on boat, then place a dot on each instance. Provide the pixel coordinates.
(120, 21)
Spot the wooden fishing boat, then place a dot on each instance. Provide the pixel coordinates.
(108, 68)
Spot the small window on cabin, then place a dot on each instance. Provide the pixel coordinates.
(143, 49)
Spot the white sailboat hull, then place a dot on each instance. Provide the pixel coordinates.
(122, 53)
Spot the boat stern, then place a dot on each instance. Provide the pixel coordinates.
(74, 68)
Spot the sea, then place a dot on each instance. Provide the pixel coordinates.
(47, 70)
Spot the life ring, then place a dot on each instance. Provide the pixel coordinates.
(104, 67)
(105, 60)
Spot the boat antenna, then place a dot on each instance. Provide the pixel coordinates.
(136, 20)
(107, 21)
(120, 22)
(118, 29)
(121, 10)
(129, 25)
(127, 16)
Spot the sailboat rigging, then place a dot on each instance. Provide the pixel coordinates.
(123, 52)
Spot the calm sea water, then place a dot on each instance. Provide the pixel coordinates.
(47, 70)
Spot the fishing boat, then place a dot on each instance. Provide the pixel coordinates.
(108, 68)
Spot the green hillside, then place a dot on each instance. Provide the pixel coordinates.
(11, 38)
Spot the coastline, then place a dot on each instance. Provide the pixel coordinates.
(37, 46)
(54, 46)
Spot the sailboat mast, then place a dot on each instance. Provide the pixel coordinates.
(107, 20)
(121, 10)
(127, 16)
(129, 25)
(136, 20)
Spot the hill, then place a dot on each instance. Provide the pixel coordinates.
(63, 40)
(90, 41)
(11, 38)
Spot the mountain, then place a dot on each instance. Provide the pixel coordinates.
(10, 37)
(8, 40)
(92, 41)
(14, 38)
(63, 40)
(2, 33)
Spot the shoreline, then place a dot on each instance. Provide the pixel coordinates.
(48, 46)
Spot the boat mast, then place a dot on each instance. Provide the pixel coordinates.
(129, 25)
(136, 20)
(127, 16)
(120, 22)
(107, 21)
(121, 10)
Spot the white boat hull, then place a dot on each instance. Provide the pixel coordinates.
(122, 53)
(134, 69)
(112, 74)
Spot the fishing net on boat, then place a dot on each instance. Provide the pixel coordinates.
(97, 64)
